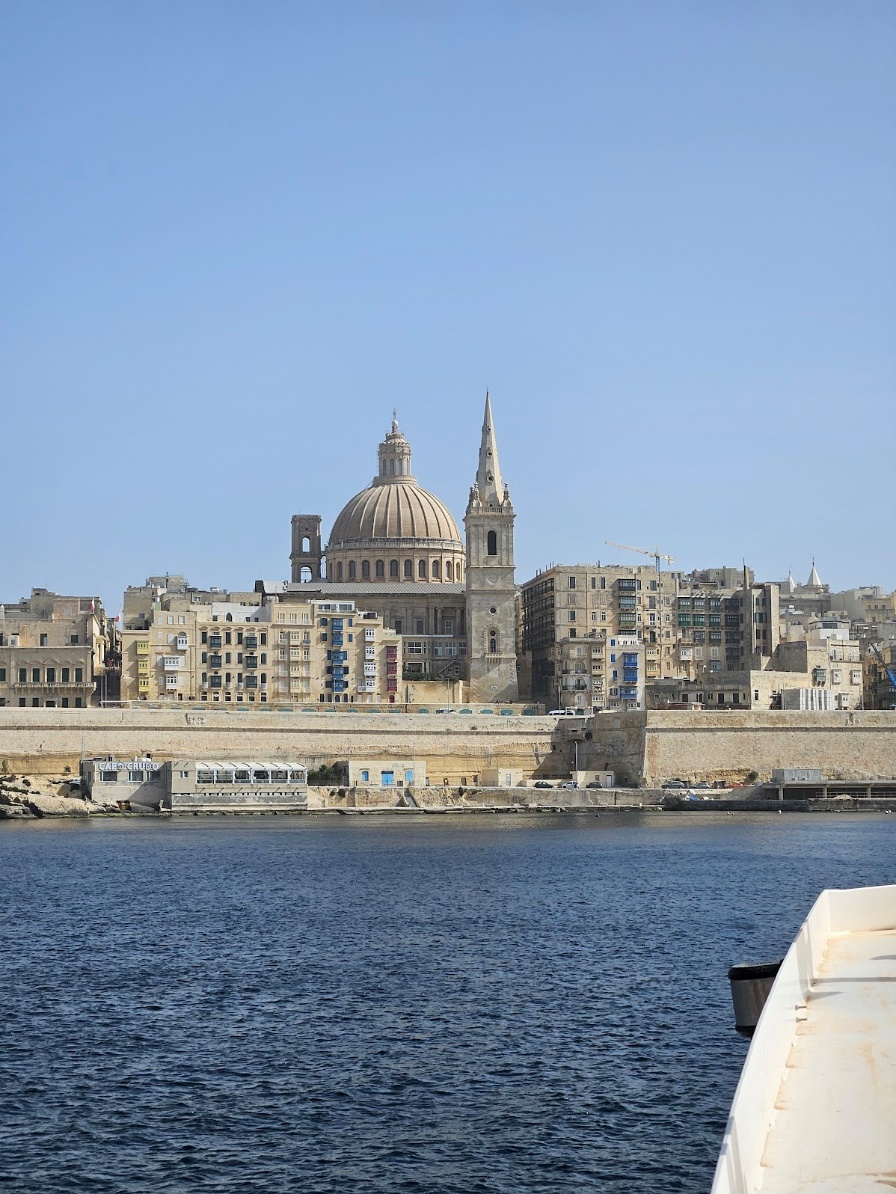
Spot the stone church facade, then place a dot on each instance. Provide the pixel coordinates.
(396, 550)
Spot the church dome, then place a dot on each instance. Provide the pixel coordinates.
(396, 510)
(394, 517)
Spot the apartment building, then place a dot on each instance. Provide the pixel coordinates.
(574, 618)
(53, 651)
(233, 652)
(821, 672)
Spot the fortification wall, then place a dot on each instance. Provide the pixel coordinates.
(456, 748)
(638, 747)
(705, 745)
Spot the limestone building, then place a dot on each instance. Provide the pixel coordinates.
(396, 551)
(53, 651)
(237, 652)
(593, 635)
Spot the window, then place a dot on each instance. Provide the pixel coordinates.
(339, 571)
(2, 673)
(365, 569)
(73, 639)
(79, 675)
(492, 643)
(421, 569)
(352, 570)
(380, 570)
(449, 570)
(419, 626)
(51, 675)
(434, 570)
(448, 625)
(415, 648)
(43, 640)
(66, 673)
(35, 675)
(492, 543)
(409, 569)
(398, 625)
(572, 582)
(393, 569)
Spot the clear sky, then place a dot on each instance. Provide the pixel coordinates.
(235, 235)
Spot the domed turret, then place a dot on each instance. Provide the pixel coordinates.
(394, 529)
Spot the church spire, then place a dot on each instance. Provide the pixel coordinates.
(491, 489)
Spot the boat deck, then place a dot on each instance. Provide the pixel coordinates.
(834, 1129)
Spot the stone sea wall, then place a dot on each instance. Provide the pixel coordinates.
(456, 748)
(641, 748)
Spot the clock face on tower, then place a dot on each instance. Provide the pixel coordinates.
(492, 578)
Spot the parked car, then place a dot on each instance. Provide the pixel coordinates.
(675, 784)
(556, 712)
(702, 784)
(594, 783)
(542, 783)
(570, 783)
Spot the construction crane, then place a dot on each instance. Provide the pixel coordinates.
(643, 551)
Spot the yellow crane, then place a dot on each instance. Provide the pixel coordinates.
(643, 551)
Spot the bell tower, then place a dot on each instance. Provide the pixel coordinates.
(306, 547)
(490, 584)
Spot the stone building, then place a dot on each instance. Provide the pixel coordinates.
(53, 651)
(241, 653)
(577, 618)
(396, 551)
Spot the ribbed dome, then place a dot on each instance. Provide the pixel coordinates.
(394, 509)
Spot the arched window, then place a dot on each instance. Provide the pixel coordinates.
(393, 568)
(380, 569)
(306, 545)
(434, 570)
(492, 543)
(409, 569)
(457, 572)
(492, 642)
(339, 570)
(421, 569)
(365, 570)
(304, 575)
(352, 570)
(449, 570)
(391, 468)
(383, 470)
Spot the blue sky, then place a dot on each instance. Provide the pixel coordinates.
(234, 236)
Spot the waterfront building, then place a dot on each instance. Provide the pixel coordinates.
(53, 651)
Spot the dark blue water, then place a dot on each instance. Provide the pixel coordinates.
(502, 1004)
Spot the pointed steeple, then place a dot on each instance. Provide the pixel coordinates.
(491, 489)
(814, 581)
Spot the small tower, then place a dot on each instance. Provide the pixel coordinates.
(490, 584)
(306, 547)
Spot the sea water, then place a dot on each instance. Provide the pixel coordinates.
(501, 1003)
